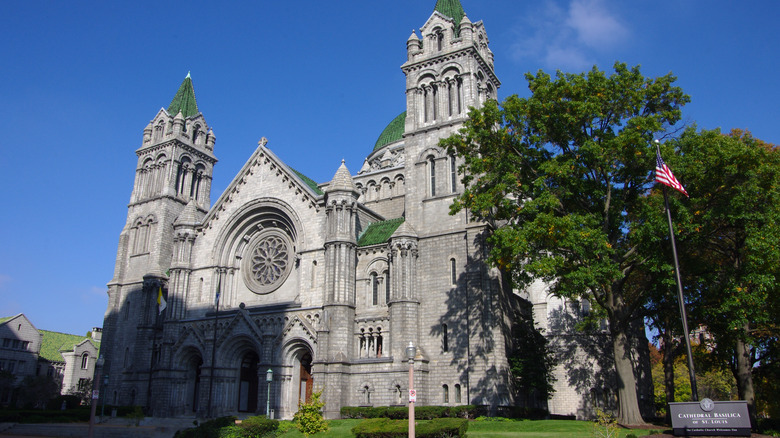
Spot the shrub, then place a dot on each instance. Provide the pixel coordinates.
(255, 427)
(309, 416)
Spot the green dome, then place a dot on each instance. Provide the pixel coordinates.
(392, 133)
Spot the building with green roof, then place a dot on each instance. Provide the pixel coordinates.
(26, 351)
(320, 285)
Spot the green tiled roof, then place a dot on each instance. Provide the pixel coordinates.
(54, 342)
(392, 133)
(309, 182)
(184, 100)
(379, 232)
(5, 318)
(452, 9)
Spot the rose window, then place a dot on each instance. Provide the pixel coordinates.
(268, 261)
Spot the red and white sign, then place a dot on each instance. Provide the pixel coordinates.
(412, 396)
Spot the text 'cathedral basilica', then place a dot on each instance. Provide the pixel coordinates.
(324, 284)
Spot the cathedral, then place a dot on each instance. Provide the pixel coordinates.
(285, 286)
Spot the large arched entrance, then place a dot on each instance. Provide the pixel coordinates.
(247, 387)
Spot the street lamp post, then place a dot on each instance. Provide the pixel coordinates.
(411, 351)
(269, 377)
(103, 399)
(95, 395)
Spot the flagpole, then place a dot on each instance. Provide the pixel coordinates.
(681, 299)
(214, 344)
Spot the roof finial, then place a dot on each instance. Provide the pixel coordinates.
(188, 74)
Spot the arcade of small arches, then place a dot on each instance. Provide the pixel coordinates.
(385, 188)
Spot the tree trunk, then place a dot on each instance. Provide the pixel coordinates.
(743, 374)
(628, 403)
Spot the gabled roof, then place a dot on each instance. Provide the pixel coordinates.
(54, 343)
(5, 319)
(184, 100)
(379, 232)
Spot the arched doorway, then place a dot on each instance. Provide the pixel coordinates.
(306, 380)
(194, 369)
(247, 385)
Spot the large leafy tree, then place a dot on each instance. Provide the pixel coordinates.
(730, 241)
(560, 175)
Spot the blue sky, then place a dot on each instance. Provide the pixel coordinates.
(79, 81)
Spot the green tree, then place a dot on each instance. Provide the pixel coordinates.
(560, 175)
(730, 233)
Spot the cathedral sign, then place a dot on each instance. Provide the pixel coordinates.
(709, 418)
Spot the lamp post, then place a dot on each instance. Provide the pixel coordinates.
(411, 351)
(103, 399)
(95, 395)
(269, 377)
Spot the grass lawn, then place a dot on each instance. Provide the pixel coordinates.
(479, 429)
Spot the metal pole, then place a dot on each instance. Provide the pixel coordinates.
(411, 352)
(268, 379)
(681, 299)
(411, 402)
(95, 396)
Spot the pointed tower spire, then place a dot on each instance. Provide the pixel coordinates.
(184, 100)
(452, 9)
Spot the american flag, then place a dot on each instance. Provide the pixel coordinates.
(665, 176)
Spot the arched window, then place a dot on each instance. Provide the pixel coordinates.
(374, 289)
(445, 394)
(432, 175)
(127, 357)
(457, 393)
(85, 361)
(439, 40)
(453, 175)
(444, 341)
(387, 287)
(453, 272)
(313, 273)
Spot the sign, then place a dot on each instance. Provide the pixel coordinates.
(710, 418)
(412, 396)
(95, 394)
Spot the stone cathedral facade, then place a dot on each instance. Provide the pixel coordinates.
(323, 284)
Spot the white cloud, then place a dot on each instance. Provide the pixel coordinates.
(594, 24)
(567, 35)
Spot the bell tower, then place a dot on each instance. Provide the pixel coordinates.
(449, 68)
(175, 164)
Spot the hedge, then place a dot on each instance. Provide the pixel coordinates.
(387, 428)
(420, 412)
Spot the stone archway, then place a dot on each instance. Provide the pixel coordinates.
(299, 383)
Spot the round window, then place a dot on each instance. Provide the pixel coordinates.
(268, 261)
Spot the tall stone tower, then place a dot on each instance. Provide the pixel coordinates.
(175, 165)
(340, 257)
(447, 71)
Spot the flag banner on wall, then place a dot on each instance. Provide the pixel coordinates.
(161, 303)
